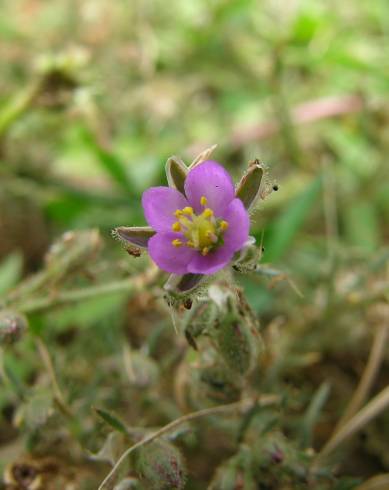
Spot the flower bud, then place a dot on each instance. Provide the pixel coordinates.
(237, 339)
(248, 188)
(12, 327)
(161, 464)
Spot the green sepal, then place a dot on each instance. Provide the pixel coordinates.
(202, 157)
(176, 172)
(137, 236)
(181, 285)
(248, 188)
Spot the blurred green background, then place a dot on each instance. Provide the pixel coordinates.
(301, 86)
(95, 95)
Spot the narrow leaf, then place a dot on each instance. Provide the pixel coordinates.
(112, 420)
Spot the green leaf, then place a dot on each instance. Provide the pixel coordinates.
(112, 420)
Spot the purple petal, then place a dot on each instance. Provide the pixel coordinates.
(211, 263)
(211, 180)
(238, 220)
(159, 204)
(168, 257)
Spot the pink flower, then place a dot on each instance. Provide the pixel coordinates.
(198, 223)
(199, 231)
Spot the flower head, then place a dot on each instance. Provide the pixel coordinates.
(197, 231)
(198, 223)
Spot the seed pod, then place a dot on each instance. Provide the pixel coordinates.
(237, 340)
(161, 464)
(12, 327)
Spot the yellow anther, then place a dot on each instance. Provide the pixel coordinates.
(176, 226)
(188, 210)
(223, 225)
(178, 213)
(176, 243)
(207, 213)
(190, 244)
(203, 201)
(205, 251)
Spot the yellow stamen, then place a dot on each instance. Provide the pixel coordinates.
(178, 213)
(203, 201)
(190, 244)
(207, 213)
(176, 226)
(176, 243)
(205, 251)
(223, 225)
(188, 210)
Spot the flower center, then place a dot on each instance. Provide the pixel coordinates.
(202, 231)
